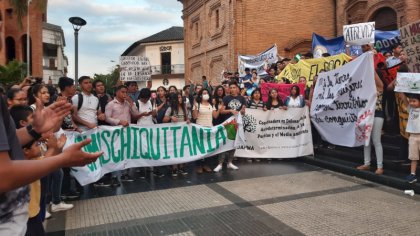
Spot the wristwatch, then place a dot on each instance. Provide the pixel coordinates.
(32, 132)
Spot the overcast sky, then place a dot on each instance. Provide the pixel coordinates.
(112, 26)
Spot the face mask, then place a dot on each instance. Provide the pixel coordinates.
(206, 97)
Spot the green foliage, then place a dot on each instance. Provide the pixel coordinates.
(109, 79)
(12, 73)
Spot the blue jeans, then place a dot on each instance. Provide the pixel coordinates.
(56, 182)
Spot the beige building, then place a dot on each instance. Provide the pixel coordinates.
(165, 51)
(54, 61)
(216, 31)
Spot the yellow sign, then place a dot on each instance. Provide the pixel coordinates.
(311, 67)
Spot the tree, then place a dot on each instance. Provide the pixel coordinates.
(12, 73)
(110, 79)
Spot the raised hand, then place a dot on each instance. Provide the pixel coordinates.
(47, 118)
(74, 156)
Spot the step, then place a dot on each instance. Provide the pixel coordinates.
(389, 178)
(356, 156)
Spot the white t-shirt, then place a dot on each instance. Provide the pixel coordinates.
(205, 115)
(89, 110)
(413, 124)
(145, 107)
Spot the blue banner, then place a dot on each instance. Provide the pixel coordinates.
(383, 42)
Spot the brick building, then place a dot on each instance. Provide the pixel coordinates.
(13, 37)
(216, 31)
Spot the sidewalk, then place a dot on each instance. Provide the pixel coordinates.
(297, 200)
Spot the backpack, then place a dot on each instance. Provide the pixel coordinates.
(80, 101)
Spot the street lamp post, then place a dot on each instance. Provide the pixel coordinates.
(77, 23)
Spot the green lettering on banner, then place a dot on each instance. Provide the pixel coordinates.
(92, 166)
(198, 142)
(155, 156)
(174, 129)
(144, 155)
(105, 140)
(115, 158)
(126, 144)
(165, 143)
(220, 135)
(210, 148)
(135, 143)
(185, 137)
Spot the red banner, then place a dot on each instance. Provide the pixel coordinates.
(282, 89)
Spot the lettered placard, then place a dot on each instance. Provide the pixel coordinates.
(359, 34)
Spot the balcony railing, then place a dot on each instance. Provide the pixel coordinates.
(168, 69)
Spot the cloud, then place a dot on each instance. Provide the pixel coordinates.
(111, 27)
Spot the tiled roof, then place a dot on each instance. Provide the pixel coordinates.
(172, 34)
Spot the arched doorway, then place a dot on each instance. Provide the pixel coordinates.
(385, 19)
(10, 49)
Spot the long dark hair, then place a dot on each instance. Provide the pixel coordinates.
(270, 100)
(199, 98)
(297, 90)
(33, 91)
(216, 97)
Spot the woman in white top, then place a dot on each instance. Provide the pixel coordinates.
(145, 108)
(295, 99)
(203, 113)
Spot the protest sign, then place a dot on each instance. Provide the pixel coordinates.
(258, 61)
(359, 34)
(384, 40)
(276, 134)
(343, 104)
(311, 67)
(410, 40)
(282, 89)
(156, 145)
(135, 68)
(408, 83)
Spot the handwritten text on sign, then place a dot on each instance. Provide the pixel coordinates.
(359, 34)
(135, 68)
(408, 83)
(410, 40)
(344, 103)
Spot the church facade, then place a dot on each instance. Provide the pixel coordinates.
(217, 31)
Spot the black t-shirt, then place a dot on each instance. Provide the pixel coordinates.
(234, 103)
(103, 101)
(12, 200)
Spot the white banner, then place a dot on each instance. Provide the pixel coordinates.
(156, 145)
(135, 68)
(408, 83)
(276, 134)
(359, 34)
(343, 105)
(258, 61)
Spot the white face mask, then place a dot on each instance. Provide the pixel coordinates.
(206, 97)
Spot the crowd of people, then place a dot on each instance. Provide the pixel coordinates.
(39, 112)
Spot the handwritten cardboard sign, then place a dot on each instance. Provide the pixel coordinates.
(135, 68)
(359, 34)
(410, 40)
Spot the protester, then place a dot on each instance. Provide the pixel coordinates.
(274, 101)
(376, 133)
(413, 128)
(203, 114)
(20, 172)
(295, 99)
(161, 105)
(119, 112)
(99, 91)
(232, 105)
(255, 102)
(176, 112)
(16, 96)
(86, 112)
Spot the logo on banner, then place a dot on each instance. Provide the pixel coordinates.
(250, 123)
(319, 50)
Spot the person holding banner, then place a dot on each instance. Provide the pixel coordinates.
(376, 132)
(177, 112)
(203, 114)
(232, 105)
(295, 99)
(274, 101)
(255, 102)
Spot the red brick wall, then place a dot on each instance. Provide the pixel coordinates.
(10, 27)
(252, 26)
